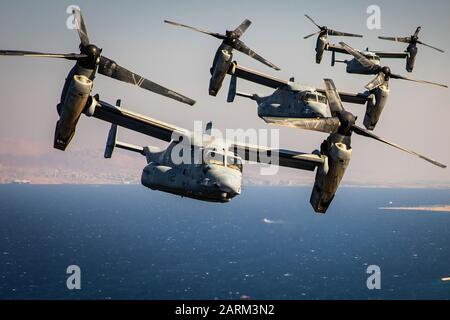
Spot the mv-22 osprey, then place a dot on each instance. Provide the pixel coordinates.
(79, 82)
(291, 100)
(194, 164)
(296, 106)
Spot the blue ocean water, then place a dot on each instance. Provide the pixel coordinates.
(133, 243)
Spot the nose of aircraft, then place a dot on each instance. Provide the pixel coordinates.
(230, 185)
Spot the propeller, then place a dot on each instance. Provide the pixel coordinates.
(347, 123)
(329, 32)
(90, 57)
(232, 39)
(383, 74)
(412, 40)
(68, 56)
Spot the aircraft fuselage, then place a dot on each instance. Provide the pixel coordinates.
(215, 178)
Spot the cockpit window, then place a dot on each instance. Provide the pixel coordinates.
(322, 99)
(213, 158)
(234, 163)
(218, 159)
(313, 97)
(310, 97)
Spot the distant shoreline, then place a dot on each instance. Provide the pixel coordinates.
(349, 186)
(437, 208)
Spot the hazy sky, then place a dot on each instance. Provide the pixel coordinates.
(133, 33)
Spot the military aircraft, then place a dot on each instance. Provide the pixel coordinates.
(79, 82)
(383, 73)
(296, 106)
(322, 40)
(291, 101)
(305, 107)
(353, 66)
(378, 86)
(194, 165)
(412, 49)
(224, 55)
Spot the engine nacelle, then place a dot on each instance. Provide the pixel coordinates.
(375, 106)
(339, 153)
(321, 45)
(219, 70)
(70, 110)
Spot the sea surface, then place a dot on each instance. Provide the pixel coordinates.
(133, 243)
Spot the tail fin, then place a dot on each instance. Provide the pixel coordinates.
(232, 92)
(334, 60)
(112, 141)
(232, 89)
(208, 129)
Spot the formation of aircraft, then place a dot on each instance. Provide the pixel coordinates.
(205, 167)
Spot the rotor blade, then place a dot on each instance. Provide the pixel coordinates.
(240, 46)
(377, 82)
(404, 40)
(312, 35)
(215, 35)
(242, 28)
(342, 34)
(312, 20)
(427, 45)
(366, 63)
(334, 100)
(81, 27)
(111, 69)
(396, 76)
(365, 133)
(68, 56)
(416, 34)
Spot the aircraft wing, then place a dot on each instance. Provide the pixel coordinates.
(335, 48)
(164, 131)
(255, 76)
(327, 125)
(136, 122)
(275, 83)
(391, 55)
(356, 98)
(381, 54)
(284, 158)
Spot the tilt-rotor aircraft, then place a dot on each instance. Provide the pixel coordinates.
(353, 66)
(307, 108)
(79, 82)
(292, 100)
(383, 74)
(299, 106)
(224, 55)
(194, 165)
